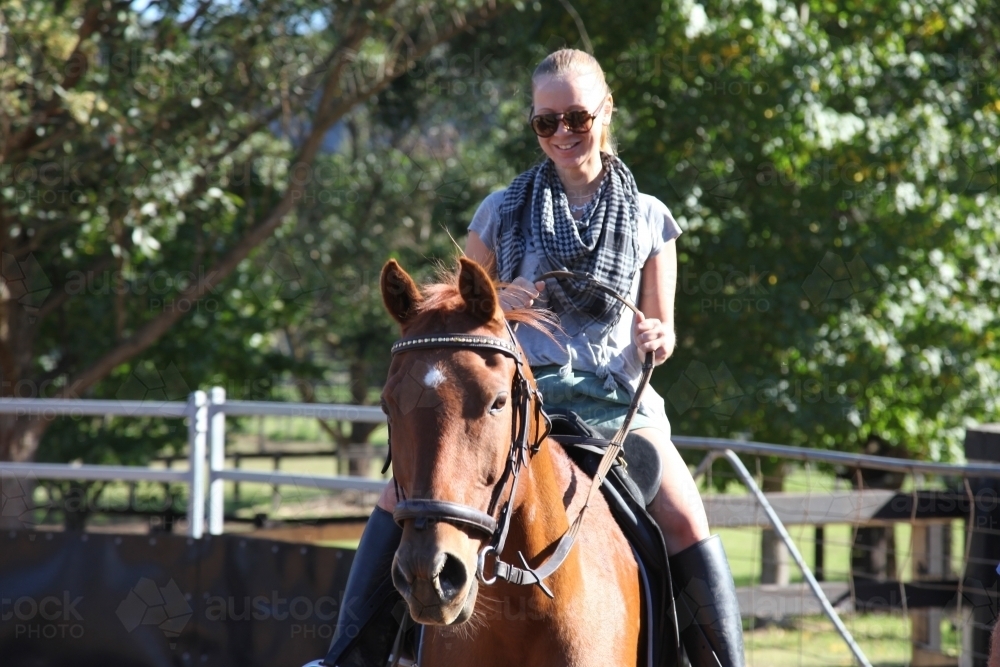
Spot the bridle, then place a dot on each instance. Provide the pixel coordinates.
(425, 511)
(523, 395)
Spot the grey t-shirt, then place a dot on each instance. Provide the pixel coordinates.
(587, 350)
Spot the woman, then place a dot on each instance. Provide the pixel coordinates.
(580, 210)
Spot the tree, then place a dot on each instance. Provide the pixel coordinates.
(146, 153)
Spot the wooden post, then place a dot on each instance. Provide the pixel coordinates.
(275, 492)
(775, 564)
(818, 554)
(930, 559)
(236, 485)
(982, 443)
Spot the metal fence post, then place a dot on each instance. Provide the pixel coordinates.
(197, 410)
(216, 460)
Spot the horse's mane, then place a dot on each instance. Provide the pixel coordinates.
(444, 296)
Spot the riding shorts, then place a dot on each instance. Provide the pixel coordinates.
(584, 393)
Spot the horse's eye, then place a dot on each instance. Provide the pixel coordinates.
(382, 404)
(499, 403)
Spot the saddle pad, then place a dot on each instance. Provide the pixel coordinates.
(643, 467)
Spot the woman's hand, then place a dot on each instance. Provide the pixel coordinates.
(651, 335)
(519, 294)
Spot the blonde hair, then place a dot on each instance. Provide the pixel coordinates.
(566, 61)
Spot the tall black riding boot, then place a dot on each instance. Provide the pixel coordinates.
(708, 613)
(366, 625)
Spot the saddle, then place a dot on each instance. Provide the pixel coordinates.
(629, 487)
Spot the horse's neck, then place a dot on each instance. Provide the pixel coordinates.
(540, 519)
(540, 513)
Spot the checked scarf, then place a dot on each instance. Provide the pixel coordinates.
(603, 243)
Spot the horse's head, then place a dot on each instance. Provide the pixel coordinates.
(452, 412)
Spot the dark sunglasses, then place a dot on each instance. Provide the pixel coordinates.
(578, 121)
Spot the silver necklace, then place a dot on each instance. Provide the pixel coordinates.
(576, 208)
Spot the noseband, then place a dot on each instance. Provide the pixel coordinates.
(424, 511)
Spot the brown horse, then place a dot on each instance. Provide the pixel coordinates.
(452, 414)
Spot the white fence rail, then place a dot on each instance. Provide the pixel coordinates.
(206, 415)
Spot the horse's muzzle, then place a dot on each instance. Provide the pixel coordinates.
(437, 584)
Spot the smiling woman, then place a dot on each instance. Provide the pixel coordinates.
(580, 210)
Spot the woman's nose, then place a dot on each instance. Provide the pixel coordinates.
(562, 129)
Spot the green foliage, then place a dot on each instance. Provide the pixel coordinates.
(833, 166)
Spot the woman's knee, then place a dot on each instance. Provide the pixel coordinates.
(683, 524)
(673, 464)
(387, 499)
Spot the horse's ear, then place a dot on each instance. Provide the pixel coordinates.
(399, 292)
(477, 289)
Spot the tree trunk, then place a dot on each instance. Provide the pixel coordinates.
(76, 506)
(21, 286)
(873, 554)
(360, 431)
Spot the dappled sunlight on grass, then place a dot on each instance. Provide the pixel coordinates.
(812, 641)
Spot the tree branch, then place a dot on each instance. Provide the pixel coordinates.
(153, 330)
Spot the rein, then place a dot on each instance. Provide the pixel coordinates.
(423, 511)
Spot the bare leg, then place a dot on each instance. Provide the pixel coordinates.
(677, 507)
(387, 500)
(713, 633)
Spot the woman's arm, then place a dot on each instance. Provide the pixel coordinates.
(654, 332)
(477, 251)
(519, 294)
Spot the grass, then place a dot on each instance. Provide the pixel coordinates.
(813, 642)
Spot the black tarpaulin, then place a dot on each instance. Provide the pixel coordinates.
(86, 599)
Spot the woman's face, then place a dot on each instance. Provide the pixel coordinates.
(569, 92)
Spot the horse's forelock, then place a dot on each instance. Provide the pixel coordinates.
(444, 298)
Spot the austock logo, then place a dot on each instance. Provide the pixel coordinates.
(308, 617)
(979, 173)
(701, 388)
(17, 504)
(714, 174)
(835, 279)
(47, 617)
(24, 282)
(135, 168)
(287, 276)
(150, 386)
(418, 389)
(164, 607)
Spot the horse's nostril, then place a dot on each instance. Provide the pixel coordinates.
(399, 575)
(453, 576)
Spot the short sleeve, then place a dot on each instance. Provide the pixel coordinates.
(662, 226)
(486, 221)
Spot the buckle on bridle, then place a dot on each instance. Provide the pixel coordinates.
(481, 565)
